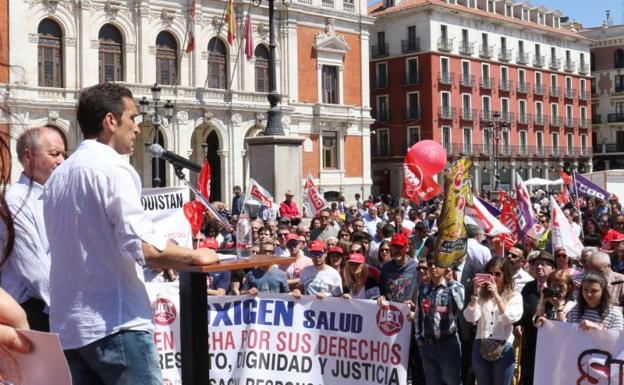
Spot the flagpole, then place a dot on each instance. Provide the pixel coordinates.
(577, 200)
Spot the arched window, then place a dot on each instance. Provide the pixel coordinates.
(110, 54)
(618, 58)
(50, 55)
(217, 64)
(166, 59)
(262, 68)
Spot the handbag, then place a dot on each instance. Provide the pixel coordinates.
(491, 349)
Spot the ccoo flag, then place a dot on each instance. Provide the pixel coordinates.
(585, 186)
(562, 232)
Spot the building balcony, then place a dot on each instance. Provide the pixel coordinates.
(466, 48)
(487, 83)
(555, 92)
(411, 79)
(445, 44)
(583, 95)
(554, 64)
(539, 89)
(522, 58)
(615, 118)
(486, 116)
(596, 119)
(486, 51)
(524, 119)
(505, 85)
(584, 124)
(608, 148)
(521, 151)
(555, 122)
(569, 65)
(507, 117)
(504, 55)
(570, 122)
(539, 61)
(410, 45)
(412, 113)
(468, 114)
(570, 93)
(380, 50)
(381, 82)
(467, 80)
(540, 120)
(583, 69)
(523, 88)
(446, 113)
(540, 151)
(446, 78)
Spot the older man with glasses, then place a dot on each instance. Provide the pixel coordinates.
(327, 229)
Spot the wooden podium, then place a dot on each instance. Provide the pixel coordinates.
(194, 317)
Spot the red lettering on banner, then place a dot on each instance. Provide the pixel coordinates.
(164, 340)
(221, 341)
(597, 367)
(254, 339)
(315, 199)
(357, 349)
(294, 342)
(255, 191)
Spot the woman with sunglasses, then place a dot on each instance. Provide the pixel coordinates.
(357, 280)
(383, 254)
(495, 306)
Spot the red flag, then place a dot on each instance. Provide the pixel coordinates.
(203, 180)
(416, 185)
(567, 178)
(249, 44)
(190, 36)
(230, 20)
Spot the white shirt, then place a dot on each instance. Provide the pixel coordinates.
(477, 254)
(325, 281)
(492, 324)
(26, 274)
(521, 278)
(96, 226)
(370, 224)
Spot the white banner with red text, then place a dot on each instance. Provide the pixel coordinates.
(567, 355)
(273, 339)
(164, 207)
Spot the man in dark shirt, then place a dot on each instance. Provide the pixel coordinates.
(237, 201)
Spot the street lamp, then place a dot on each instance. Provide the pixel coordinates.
(274, 115)
(156, 120)
(493, 129)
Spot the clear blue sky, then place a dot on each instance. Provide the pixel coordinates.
(590, 13)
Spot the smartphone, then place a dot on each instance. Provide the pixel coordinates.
(483, 278)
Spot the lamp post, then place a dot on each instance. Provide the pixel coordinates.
(156, 120)
(274, 115)
(494, 128)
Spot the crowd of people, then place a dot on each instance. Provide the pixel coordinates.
(75, 237)
(474, 321)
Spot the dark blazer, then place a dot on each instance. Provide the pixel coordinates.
(467, 330)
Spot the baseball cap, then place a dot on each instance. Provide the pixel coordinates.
(357, 258)
(399, 240)
(335, 249)
(292, 236)
(317, 245)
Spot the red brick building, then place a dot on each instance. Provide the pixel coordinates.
(466, 72)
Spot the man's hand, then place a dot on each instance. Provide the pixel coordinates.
(296, 293)
(205, 257)
(380, 300)
(253, 291)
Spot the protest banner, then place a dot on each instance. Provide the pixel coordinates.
(273, 339)
(477, 213)
(452, 240)
(586, 187)
(312, 199)
(567, 355)
(523, 210)
(164, 207)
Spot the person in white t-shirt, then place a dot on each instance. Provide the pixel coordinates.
(319, 279)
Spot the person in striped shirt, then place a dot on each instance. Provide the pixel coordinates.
(593, 310)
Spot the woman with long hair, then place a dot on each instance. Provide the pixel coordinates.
(357, 282)
(592, 234)
(593, 310)
(495, 307)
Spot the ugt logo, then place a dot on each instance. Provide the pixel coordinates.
(164, 312)
(389, 320)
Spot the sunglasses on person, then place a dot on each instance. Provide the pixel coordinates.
(283, 234)
(561, 255)
(512, 255)
(384, 250)
(292, 243)
(316, 254)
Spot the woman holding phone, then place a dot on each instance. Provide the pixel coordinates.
(495, 307)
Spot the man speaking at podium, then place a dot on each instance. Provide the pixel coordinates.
(99, 240)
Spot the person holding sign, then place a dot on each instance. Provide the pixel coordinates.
(319, 279)
(358, 283)
(593, 310)
(495, 307)
(99, 239)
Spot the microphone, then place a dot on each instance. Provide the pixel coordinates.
(155, 150)
(614, 283)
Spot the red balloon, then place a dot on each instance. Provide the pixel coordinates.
(429, 155)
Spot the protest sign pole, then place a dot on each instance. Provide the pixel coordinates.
(577, 199)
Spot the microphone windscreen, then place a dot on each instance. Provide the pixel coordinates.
(155, 150)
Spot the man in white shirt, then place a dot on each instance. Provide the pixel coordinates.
(371, 219)
(99, 240)
(477, 255)
(319, 279)
(25, 275)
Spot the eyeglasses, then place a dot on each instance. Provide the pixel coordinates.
(384, 250)
(561, 256)
(283, 234)
(512, 256)
(316, 254)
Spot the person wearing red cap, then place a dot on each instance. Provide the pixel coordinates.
(319, 279)
(293, 270)
(357, 281)
(399, 280)
(334, 258)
